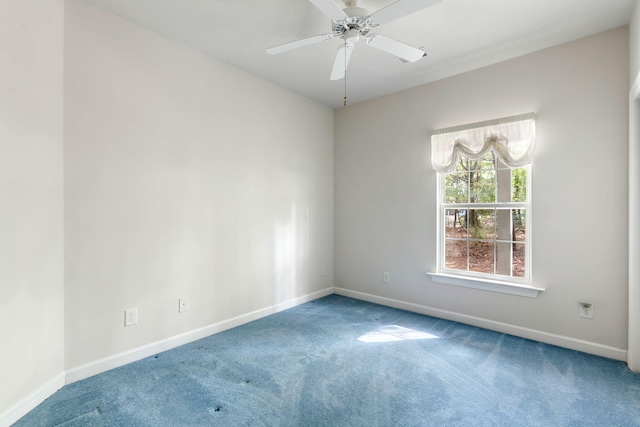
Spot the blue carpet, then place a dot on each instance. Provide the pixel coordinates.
(341, 362)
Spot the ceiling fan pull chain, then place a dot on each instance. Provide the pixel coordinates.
(345, 71)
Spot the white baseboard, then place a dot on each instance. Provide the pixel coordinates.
(519, 331)
(102, 365)
(22, 408)
(19, 410)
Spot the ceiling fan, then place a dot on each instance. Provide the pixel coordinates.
(353, 23)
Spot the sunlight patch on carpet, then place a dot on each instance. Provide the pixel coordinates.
(392, 333)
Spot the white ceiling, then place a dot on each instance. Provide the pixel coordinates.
(458, 36)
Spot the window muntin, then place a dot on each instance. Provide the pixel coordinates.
(484, 220)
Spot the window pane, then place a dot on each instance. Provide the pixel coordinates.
(503, 258)
(511, 224)
(456, 187)
(520, 224)
(482, 223)
(519, 185)
(503, 179)
(518, 259)
(456, 254)
(463, 164)
(455, 223)
(482, 186)
(503, 224)
(485, 162)
(481, 257)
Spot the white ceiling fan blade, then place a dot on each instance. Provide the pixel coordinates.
(299, 43)
(399, 9)
(394, 47)
(330, 8)
(342, 62)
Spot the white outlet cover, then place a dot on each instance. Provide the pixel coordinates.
(183, 305)
(130, 316)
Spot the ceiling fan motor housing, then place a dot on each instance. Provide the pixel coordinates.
(357, 20)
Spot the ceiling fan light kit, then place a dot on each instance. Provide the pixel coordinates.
(353, 23)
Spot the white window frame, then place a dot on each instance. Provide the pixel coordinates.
(485, 281)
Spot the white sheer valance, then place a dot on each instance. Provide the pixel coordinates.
(510, 138)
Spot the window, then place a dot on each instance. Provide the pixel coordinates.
(484, 213)
(484, 202)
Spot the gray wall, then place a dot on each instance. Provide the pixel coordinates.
(184, 177)
(634, 46)
(634, 194)
(385, 212)
(31, 239)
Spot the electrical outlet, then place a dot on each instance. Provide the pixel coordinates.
(183, 305)
(386, 277)
(586, 309)
(323, 271)
(131, 317)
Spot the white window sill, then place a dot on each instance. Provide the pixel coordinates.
(486, 285)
